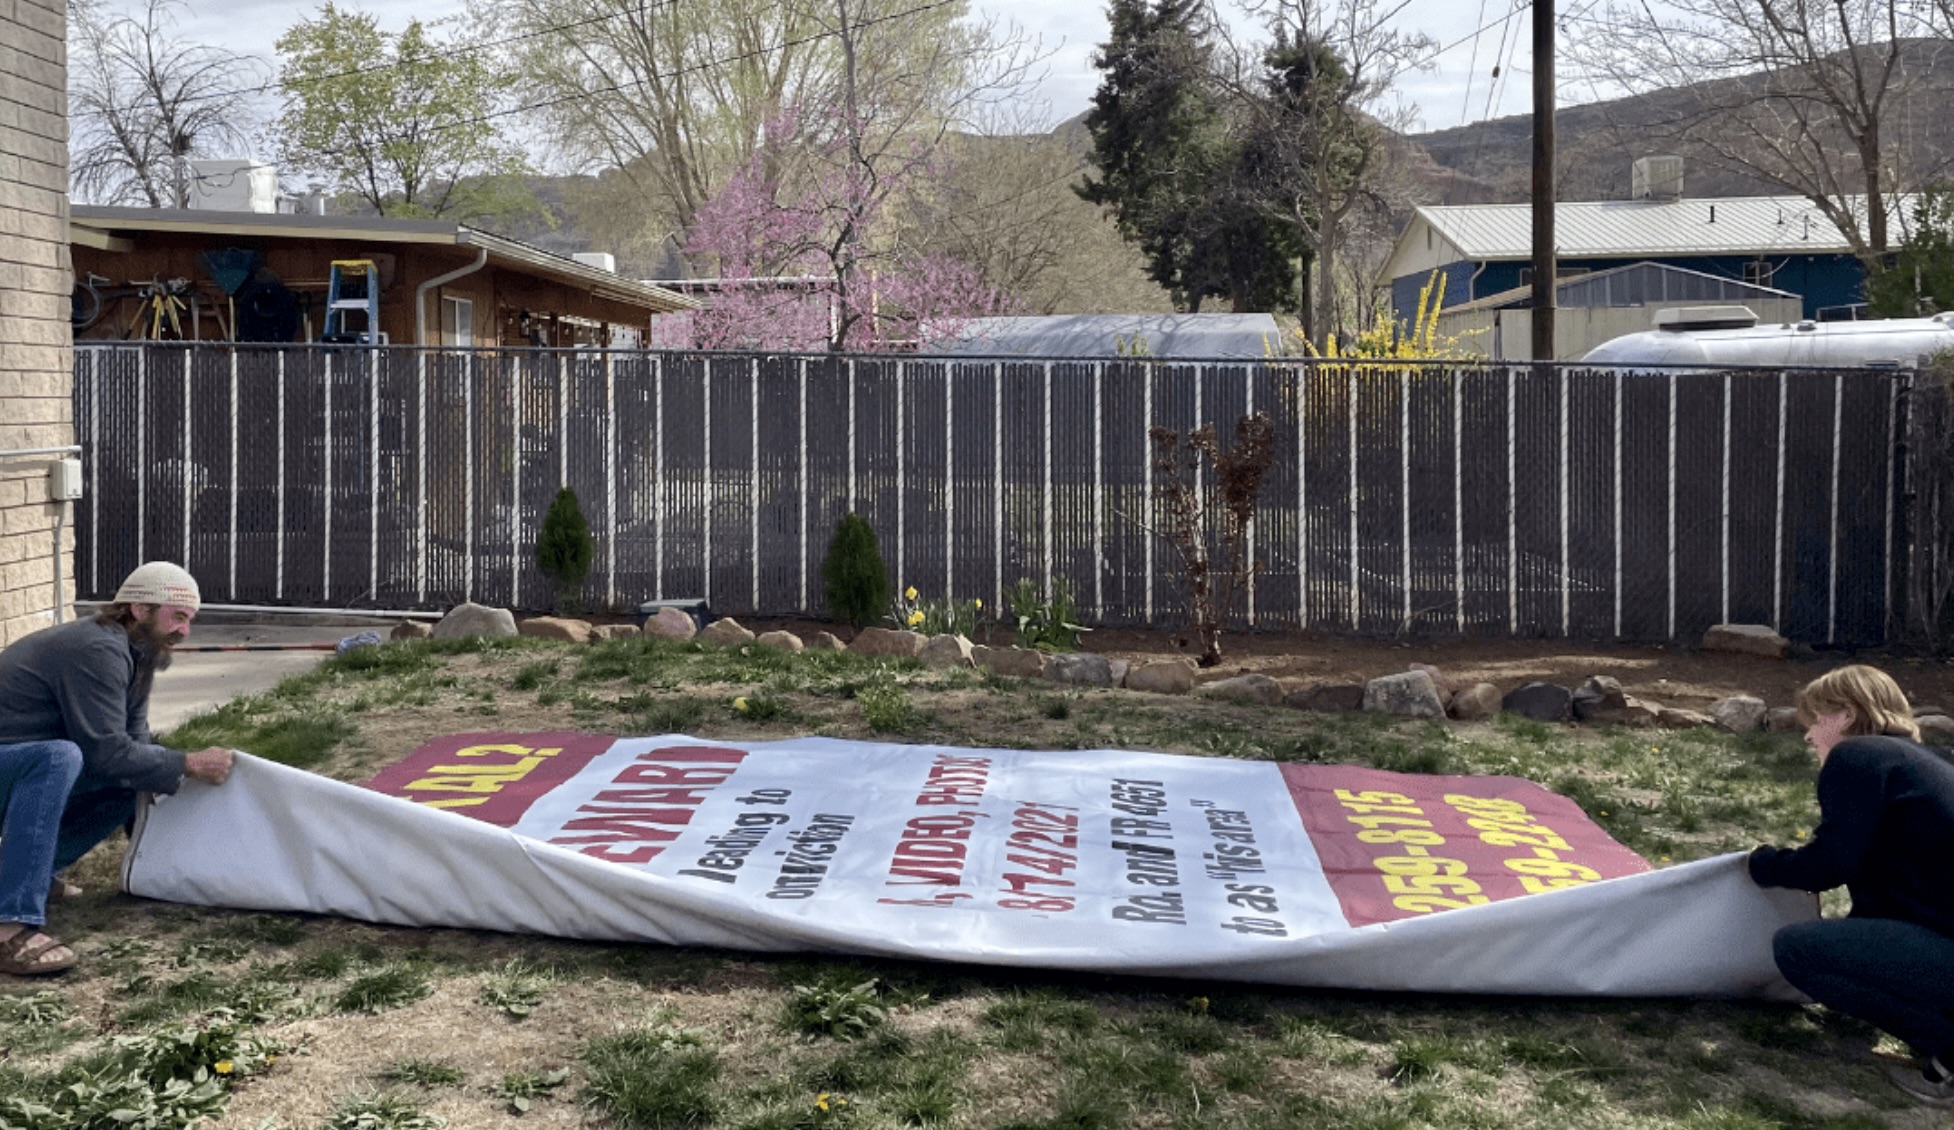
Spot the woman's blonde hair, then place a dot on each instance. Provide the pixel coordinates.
(1868, 694)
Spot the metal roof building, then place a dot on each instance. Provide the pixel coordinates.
(1233, 337)
(1781, 242)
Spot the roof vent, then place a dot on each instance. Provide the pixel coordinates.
(1683, 319)
(1656, 178)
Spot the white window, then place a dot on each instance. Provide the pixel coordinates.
(457, 321)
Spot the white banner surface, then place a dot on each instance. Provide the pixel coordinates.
(1102, 860)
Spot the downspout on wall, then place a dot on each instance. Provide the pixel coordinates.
(421, 293)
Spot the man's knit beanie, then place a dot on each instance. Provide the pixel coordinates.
(160, 582)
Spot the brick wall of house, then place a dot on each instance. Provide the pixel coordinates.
(36, 369)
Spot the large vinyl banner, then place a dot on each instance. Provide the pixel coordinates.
(1104, 860)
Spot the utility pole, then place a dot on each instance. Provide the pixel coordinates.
(1543, 180)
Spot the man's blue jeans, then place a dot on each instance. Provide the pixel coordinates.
(1894, 975)
(35, 779)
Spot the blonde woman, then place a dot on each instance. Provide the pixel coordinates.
(1886, 833)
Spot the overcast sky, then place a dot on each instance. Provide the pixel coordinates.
(1452, 92)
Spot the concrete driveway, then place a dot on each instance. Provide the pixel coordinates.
(201, 681)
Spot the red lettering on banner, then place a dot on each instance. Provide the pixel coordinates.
(634, 825)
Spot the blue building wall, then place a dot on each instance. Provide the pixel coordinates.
(1821, 280)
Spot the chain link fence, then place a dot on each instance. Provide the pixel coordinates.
(1531, 501)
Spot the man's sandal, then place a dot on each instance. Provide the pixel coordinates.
(60, 890)
(31, 952)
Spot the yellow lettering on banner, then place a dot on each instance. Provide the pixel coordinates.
(455, 802)
(472, 778)
(511, 750)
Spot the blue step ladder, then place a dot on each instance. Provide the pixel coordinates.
(353, 290)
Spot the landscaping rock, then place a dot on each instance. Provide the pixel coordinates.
(947, 651)
(780, 641)
(1676, 718)
(1023, 662)
(1739, 713)
(1935, 730)
(1634, 713)
(1410, 695)
(1329, 698)
(1477, 703)
(411, 630)
(671, 624)
(1120, 667)
(1782, 720)
(1257, 690)
(1445, 688)
(1542, 702)
(825, 641)
(555, 628)
(1599, 699)
(615, 632)
(888, 642)
(1746, 639)
(470, 620)
(1162, 676)
(1079, 669)
(725, 632)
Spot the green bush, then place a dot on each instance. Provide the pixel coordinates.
(564, 549)
(857, 580)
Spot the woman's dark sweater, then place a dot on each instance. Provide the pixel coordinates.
(1886, 832)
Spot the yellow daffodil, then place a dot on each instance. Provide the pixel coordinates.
(739, 704)
(821, 1101)
(915, 617)
(224, 1067)
(909, 593)
(980, 604)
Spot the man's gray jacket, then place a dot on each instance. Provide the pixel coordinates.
(77, 681)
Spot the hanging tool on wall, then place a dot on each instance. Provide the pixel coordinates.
(353, 289)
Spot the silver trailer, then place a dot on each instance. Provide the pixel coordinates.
(1720, 337)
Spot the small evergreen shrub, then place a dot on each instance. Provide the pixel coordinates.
(857, 580)
(564, 549)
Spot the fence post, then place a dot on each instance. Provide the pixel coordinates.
(1355, 557)
(420, 475)
(610, 477)
(1565, 485)
(327, 494)
(1723, 542)
(709, 493)
(373, 475)
(1301, 373)
(1248, 384)
(95, 470)
(1099, 495)
(806, 533)
(1404, 490)
(1458, 500)
(1777, 540)
(1512, 505)
(232, 587)
(1146, 479)
(1670, 628)
(468, 476)
(1832, 541)
(997, 477)
(950, 483)
(278, 587)
(1047, 428)
(188, 477)
(753, 483)
(658, 478)
(517, 383)
(1618, 503)
(902, 484)
(142, 450)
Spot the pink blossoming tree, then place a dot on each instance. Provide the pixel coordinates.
(806, 240)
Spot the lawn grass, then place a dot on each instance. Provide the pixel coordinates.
(378, 1027)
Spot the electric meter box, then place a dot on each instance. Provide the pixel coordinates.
(64, 480)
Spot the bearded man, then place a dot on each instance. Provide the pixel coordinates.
(75, 748)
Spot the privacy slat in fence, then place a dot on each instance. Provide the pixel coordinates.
(1470, 499)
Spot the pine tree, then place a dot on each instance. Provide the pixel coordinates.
(564, 549)
(857, 580)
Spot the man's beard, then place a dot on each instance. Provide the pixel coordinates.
(156, 643)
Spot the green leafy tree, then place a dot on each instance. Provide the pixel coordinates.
(856, 578)
(1919, 277)
(1166, 160)
(400, 121)
(564, 548)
